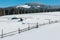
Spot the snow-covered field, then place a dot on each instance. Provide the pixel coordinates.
(45, 32)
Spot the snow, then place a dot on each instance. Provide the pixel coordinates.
(24, 6)
(45, 32)
(38, 6)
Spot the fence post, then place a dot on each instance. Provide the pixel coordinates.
(2, 34)
(49, 21)
(19, 30)
(28, 26)
(37, 25)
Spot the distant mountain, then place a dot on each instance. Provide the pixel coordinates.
(32, 7)
(36, 4)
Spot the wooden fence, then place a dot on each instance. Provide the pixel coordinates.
(2, 35)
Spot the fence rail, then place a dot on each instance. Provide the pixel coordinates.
(25, 29)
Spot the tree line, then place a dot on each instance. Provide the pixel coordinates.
(10, 11)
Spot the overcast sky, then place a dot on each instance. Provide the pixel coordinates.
(6, 3)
